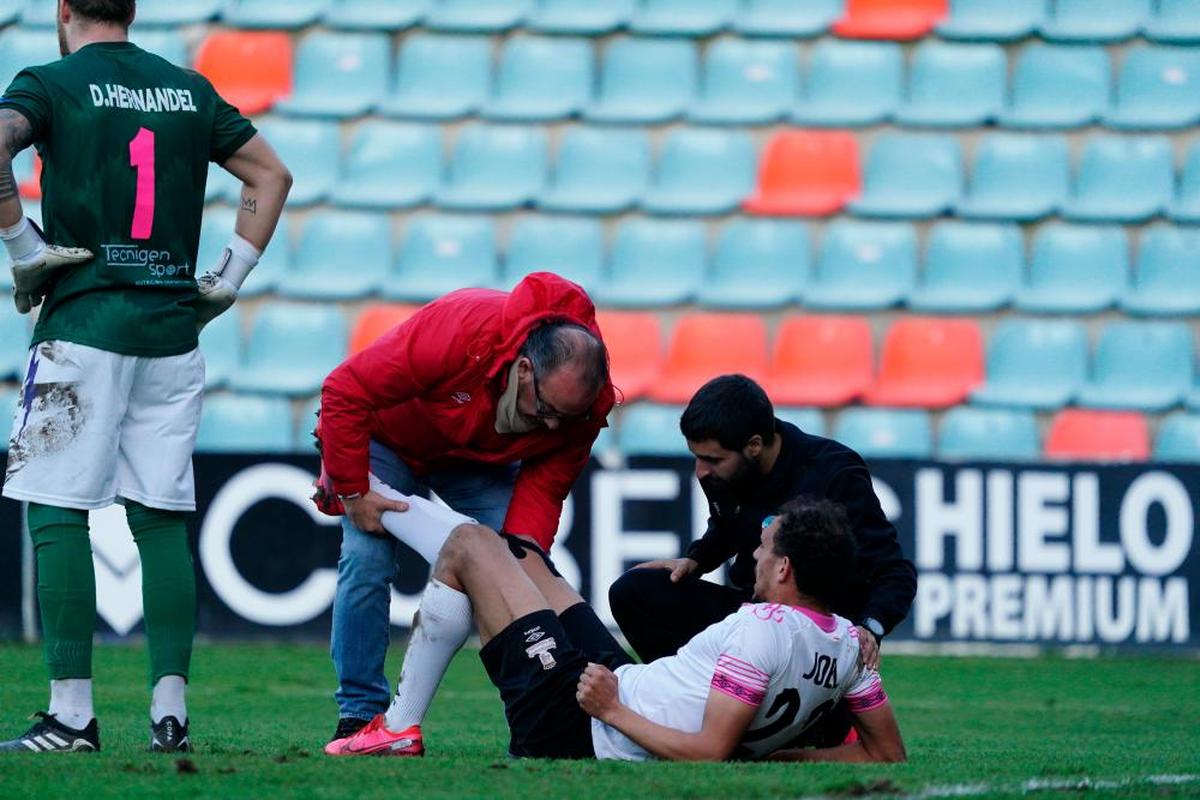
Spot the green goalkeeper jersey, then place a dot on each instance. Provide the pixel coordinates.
(125, 139)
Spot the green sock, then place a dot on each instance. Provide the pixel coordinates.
(66, 587)
(168, 587)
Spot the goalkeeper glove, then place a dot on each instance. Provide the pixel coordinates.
(219, 287)
(34, 262)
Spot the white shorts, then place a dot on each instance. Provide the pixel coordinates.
(93, 426)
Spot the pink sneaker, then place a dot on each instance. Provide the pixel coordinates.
(375, 739)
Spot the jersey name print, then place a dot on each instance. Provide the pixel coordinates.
(161, 98)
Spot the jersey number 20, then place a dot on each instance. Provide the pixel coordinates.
(141, 158)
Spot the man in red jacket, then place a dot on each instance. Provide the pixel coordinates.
(493, 401)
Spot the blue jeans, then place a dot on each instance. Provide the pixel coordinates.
(368, 563)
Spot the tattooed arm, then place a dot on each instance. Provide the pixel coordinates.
(15, 135)
(265, 185)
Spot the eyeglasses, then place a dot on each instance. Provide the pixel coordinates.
(542, 410)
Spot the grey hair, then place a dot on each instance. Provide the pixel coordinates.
(553, 345)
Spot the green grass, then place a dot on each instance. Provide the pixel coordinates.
(261, 714)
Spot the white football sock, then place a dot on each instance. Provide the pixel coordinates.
(168, 699)
(441, 627)
(71, 702)
(425, 527)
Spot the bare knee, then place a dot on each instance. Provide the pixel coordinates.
(467, 544)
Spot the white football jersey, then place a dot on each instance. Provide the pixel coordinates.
(791, 663)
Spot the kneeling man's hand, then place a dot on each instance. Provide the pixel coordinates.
(680, 567)
(597, 692)
(365, 512)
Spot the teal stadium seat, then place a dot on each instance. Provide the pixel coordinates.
(476, 16)
(654, 263)
(1146, 366)
(809, 420)
(851, 83)
(1178, 438)
(171, 13)
(271, 14)
(440, 77)
(1038, 364)
(970, 268)
(495, 168)
(683, 17)
(581, 17)
(168, 44)
(988, 434)
(598, 170)
(1122, 179)
(1075, 269)
(911, 176)
(341, 255)
(10, 10)
(221, 185)
(231, 423)
(39, 13)
(1158, 88)
(21, 48)
(863, 266)
(1167, 278)
(375, 15)
(14, 341)
(339, 75)
(542, 78)
(1017, 177)
(221, 343)
(702, 171)
(215, 232)
(747, 82)
(10, 399)
(992, 20)
(390, 165)
(442, 253)
(645, 429)
(291, 348)
(1174, 22)
(885, 432)
(312, 150)
(1058, 86)
(955, 85)
(1095, 20)
(786, 18)
(758, 264)
(645, 81)
(573, 247)
(1186, 205)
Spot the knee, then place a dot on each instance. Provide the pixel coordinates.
(468, 542)
(629, 591)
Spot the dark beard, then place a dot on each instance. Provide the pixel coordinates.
(63, 50)
(735, 488)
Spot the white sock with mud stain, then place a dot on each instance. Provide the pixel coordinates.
(71, 702)
(168, 699)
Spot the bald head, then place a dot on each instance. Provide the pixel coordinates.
(570, 348)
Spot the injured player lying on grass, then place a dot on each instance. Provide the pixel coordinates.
(743, 688)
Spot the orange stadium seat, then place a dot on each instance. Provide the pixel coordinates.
(890, 19)
(634, 341)
(376, 320)
(1081, 435)
(807, 173)
(31, 188)
(930, 362)
(704, 346)
(820, 361)
(250, 69)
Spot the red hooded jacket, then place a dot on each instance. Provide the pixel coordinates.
(428, 390)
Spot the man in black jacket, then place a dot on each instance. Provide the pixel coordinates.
(750, 464)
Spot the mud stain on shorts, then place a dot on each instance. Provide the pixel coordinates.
(53, 417)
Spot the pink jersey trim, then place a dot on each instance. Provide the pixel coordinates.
(825, 622)
(869, 700)
(728, 686)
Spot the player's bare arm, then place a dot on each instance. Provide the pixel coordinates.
(15, 135)
(879, 739)
(725, 721)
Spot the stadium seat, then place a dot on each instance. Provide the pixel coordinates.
(890, 19)
(1078, 434)
(1094, 20)
(572, 247)
(821, 361)
(705, 345)
(39, 13)
(955, 85)
(864, 266)
(885, 432)
(645, 81)
(851, 83)
(172, 13)
(581, 17)
(598, 171)
(221, 343)
(683, 17)
(1017, 177)
(215, 231)
(476, 16)
(1075, 269)
(21, 48)
(1158, 88)
(311, 149)
(651, 430)
(969, 268)
(273, 14)
(341, 255)
(375, 15)
(303, 441)
(221, 185)
(1037, 364)
(494, 168)
(374, 321)
(992, 20)
(988, 434)
(654, 263)
(1122, 179)
(1167, 279)
(440, 77)
(443, 253)
(758, 264)
(9, 11)
(1146, 366)
(9, 400)
(806, 173)
(31, 187)
(250, 69)
(390, 165)
(634, 342)
(747, 82)
(809, 420)
(701, 171)
(235, 424)
(1178, 439)
(786, 18)
(291, 349)
(1174, 22)
(1058, 86)
(168, 44)
(14, 342)
(911, 176)
(542, 78)
(339, 74)
(1186, 206)
(23, 166)
(930, 362)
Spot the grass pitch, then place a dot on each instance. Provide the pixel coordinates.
(1125, 727)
